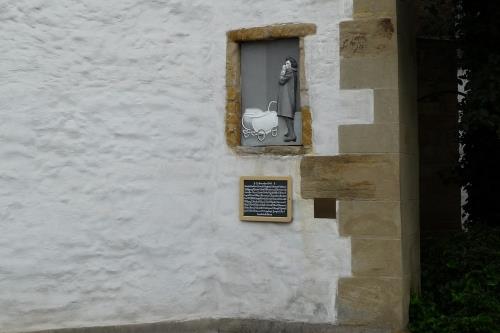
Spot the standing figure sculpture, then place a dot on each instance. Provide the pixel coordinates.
(287, 96)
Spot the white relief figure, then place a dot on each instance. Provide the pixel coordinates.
(256, 122)
(287, 97)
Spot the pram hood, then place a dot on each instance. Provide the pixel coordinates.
(255, 113)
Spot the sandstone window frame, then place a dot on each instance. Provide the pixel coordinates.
(233, 85)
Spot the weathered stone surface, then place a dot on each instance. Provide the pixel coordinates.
(376, 257)
(367, 38)
(368, 8)
(369, 218)
(405, 297)
(233, 123)
(409, 176)
(376, 73)
(224, 325)
(410, 217)
(386, 106)
(304, 86)
(375, 55)
(232, 64)
(350, 177)
(233, 95)
(377, 138)
(411, 260)
(369, 138)
(408, 139)
(285, 30)
(370, 301)
(306, 126)
(118, 194)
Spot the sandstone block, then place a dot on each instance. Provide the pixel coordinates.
(370, 301)
(367, 38)
(411, 260)
(409, 217)
(409, 177)
(376, 257)
(350, 177)
(364, 8)
(376, 73)
(369, 138)
(369, 218)
(286, 30)
(386, 105)
(306, 126)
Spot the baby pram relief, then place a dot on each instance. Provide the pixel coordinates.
(256, 122)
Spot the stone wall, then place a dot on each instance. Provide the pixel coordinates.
(118, 191)
(119, 182)
(375, 178)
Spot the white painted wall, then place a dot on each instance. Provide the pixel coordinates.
(118, 194)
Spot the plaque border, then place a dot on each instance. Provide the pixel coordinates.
(286, 219)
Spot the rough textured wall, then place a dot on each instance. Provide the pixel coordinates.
(118, 194)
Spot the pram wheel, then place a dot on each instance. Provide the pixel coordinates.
(274, 131)
(261, 135)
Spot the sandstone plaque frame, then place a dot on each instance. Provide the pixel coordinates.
(285, 219)
(233, 85)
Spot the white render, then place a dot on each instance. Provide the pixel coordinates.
(118, 193)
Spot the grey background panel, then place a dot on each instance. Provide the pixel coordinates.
(260, 71)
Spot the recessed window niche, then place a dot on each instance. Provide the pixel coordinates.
(270, 93)
(267, 104)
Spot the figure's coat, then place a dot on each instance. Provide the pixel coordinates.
(287, 100)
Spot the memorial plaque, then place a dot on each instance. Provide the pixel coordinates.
(266, 199)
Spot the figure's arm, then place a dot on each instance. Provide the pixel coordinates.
(285, 77)
(283, 70)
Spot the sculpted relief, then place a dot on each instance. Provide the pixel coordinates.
(270, 93)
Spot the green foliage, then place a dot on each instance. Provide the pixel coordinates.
(460, 284)
(478, 33)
